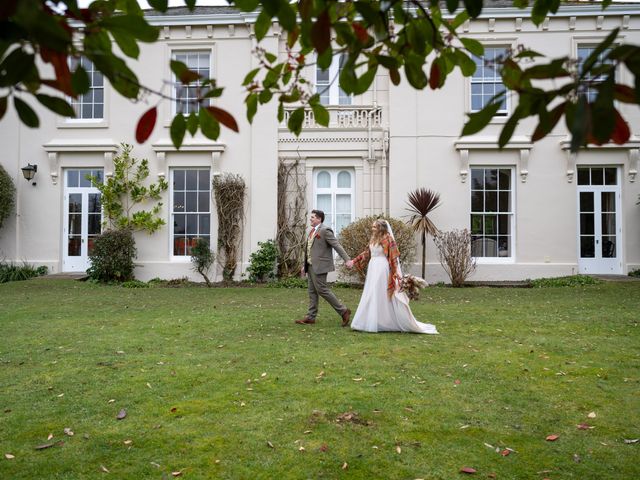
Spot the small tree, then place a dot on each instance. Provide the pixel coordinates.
(7, 195)
(229, 191)
(421, 203)
(202, 258)
(122, 193)
(112, 256)
(355, 237)
(454, 249)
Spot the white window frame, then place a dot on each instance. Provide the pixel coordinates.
(512, 213)
(76, 104)
(501, 113)
(175, 51)
(333, 85)
(333, 190)
(172, 170)
(592, 93)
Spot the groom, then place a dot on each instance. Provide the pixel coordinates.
(318, 261)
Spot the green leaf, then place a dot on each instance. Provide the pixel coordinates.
(541, 8)
(473, 46)
(80, 81)
(208, 125)
(252, 106)
(478, 120)
(192, 123)
(56, 104)
(295, 121)
(474, 7)
(262, 25)
(452, 5)
(250, 76)
(183, 73)
(467, 65)
(365, 81)
(177, 130)
(325, 58)
(321, 32)
(321, 114)
(159, 5)
(578, 121)
(3, 106)
(247, 5)
(26, 113)
(134, 25)
(15, 67)
(265, 96)
(548, 121)
(287, 16)
(280, 112)
(509, 128)
(127, 43)
(415, 74)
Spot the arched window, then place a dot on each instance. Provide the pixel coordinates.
(334, 194)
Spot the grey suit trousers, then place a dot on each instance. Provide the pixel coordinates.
(318, 288)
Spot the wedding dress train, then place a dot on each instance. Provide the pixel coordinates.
(376, 313)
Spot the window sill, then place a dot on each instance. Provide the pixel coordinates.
(494, 260)
(73, 123)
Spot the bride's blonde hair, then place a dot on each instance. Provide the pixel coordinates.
(381, 231)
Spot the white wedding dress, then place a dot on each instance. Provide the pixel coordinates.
(376, 313)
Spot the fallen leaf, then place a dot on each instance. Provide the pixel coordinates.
(345, 465)
(112, 400)
(359, 379)
(68, 431)
(584, 426)
(45, 445)
(50, 436)
(242, 404)
(270, 444)
(127, 442)
(491, 475)
(592, 415)
(464, 426)
(148, 385)
(121, 414)
(176, 474)
(552, 438)
(120, 352)
(264, 374)
(8, 456)
(576, 458)
(505, 452)
(104, 469)
(631, 441)
(301, 449)
(488, 446)
(174, 409)
(457, 382)
(324, 447)
(306, 431)
(398, 449)
(467, 470)
(61, 395)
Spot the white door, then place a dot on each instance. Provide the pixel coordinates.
(600, 232)
(82, 219)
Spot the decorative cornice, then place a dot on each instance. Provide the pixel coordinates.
(325, 140)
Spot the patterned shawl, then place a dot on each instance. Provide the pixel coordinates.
(392, 253)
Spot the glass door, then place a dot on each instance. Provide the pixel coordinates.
(599, 220)
(82, 219)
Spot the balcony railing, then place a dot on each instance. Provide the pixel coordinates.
(343, 116)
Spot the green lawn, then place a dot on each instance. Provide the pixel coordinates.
(220, 383)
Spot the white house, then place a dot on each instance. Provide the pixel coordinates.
(535, 210)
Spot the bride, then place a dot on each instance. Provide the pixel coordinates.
(382, 307)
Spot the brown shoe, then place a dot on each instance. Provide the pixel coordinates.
(306, 321)
(346, 316)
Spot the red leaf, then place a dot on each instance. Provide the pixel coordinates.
(468, 470)
(457, 382)
(121, 414)
(324, 447)
(584, 426)
(146, 124)
(61, 67)
(224, 117)
(321, 32)
(505, 452)
(174, 409)
(361, 32)
(621, 132)
(552, 438)
(624, 93)
(434, 78)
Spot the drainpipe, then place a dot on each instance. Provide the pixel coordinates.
(371, 158)
(385, 150)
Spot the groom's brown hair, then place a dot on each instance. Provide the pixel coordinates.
(319, 214)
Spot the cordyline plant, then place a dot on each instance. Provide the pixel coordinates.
(415, 37)
(421, 203)
(124, 192)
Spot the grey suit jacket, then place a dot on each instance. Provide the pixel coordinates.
(321, 256)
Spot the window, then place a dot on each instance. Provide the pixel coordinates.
(486, 81)
(327, 83)
(190, 209)
(492, 212)
(583, 53)
(186, 95)
(334, 195)
(89, 106)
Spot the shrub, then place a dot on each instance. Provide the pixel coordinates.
(202, 258)
(635, 273)
(12, 272)
(7, 195)
(290, 282)
(355, 239)
(454, 249)
(262, 263)
(569, 281)
(112, 256)
(230, 192)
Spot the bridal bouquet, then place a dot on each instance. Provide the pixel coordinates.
(412, 285)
